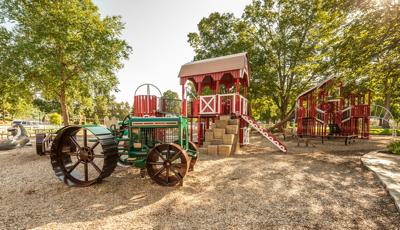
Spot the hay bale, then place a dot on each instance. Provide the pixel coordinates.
(206, 144)
(212, 149)
(233, 122)
(228, 139)
(203, 150)
(218, 133)
(209, 135)
(217, 142)
(225, 117)
(224, 150)
(232, 129)
(221, 124)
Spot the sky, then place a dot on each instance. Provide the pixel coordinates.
(157, 32)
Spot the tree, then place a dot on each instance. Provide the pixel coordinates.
(120, 109)
(287, 42)
(15, 96)
(171, 102)
(219, 34)
(46, 106)
(370, 50)
(68, 50)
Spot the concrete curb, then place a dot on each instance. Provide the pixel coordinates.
(390, 184)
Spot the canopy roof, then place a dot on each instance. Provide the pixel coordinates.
(219, 64)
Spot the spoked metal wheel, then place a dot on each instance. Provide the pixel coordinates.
(167, 164)
(82, 156)
(194, 150)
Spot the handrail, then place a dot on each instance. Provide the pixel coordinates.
(239, 104)
(320, 111)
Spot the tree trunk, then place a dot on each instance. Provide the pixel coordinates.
(64, 108)
(283, 115)
(282, 123)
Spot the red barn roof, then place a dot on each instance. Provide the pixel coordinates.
(213, 65)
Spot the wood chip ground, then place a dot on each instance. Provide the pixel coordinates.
(323, 187)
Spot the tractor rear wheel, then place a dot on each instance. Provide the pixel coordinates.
(82, 156)
(167, 164)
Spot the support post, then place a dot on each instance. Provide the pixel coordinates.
(198, 116)
(183, 112)
(191, 129)
(217, 98)
(237, 96)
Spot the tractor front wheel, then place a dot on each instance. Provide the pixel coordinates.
(167, 164)
(193, 149)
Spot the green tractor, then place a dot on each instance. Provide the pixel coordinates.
(84, 155)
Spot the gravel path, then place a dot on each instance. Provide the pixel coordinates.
(322, 187)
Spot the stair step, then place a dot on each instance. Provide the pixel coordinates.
(218, 133)
(221, 124)
(217, 142)
(212, 149)
(203, 150)
(224, 150)
(232, 129)
(225, 117)
(209, 135)
(228, 139)
(233, 122)
(206, 144)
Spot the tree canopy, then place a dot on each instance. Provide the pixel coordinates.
(65, 49)
(171, 102)
(294, 44)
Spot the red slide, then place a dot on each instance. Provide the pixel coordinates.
(265, 132)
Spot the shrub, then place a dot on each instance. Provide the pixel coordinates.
(394, 147)
(55, 118)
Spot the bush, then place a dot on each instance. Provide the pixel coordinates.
(55, 119)
(394, 147)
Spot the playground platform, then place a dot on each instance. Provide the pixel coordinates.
(387, 168)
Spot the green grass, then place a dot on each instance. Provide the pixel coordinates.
(394, 147)
(382, 132)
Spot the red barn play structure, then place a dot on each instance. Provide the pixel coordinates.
(227, 81)
(331, 109)
(221, 85)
